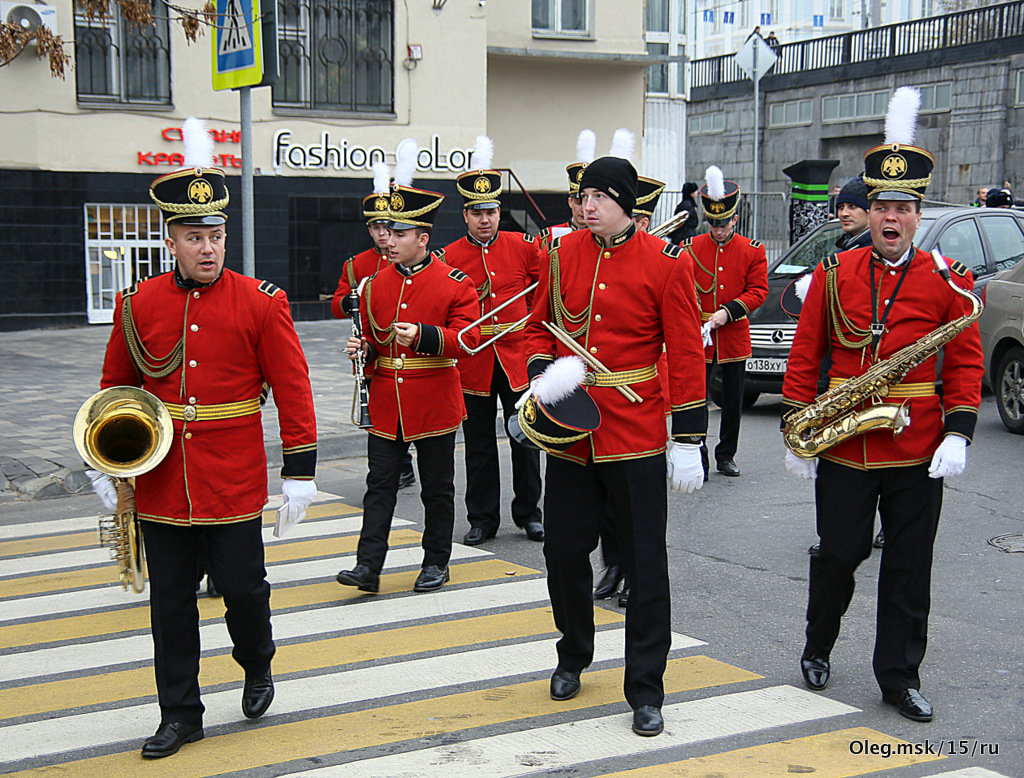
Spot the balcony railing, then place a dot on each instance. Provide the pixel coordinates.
(965, 28)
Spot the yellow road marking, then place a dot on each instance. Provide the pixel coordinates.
(829, 755)
(110, 622)
(293, 658)
(267, 745)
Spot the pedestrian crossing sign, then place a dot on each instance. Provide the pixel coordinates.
(237, 45)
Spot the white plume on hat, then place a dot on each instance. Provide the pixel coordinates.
(483, 153)
(622, 144)
(405, 167)
(802, 285)
(198, 143)
(559, 380)
(901, 119)
(381, 177)
(586, 142)
(715, 180)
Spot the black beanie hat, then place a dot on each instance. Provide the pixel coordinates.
(854, 192)
(614, 176)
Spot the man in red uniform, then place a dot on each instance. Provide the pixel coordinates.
(864, 305)
(731, 272)
(620, 294)
(585, 143)
(501, 264)
(412, 312)
(204, 339)
(366, 263)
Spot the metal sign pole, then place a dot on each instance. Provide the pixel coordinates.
(757, 125)
(248, 229)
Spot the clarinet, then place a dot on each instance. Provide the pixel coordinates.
(362, 390)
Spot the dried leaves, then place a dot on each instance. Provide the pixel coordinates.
(14, 40)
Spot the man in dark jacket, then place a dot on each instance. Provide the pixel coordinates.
(689, 227)
(852, 212)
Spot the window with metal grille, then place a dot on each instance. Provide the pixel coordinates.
(336, 55)
(120, 62)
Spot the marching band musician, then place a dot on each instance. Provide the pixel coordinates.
(586, 142)
(864, 305)
(501, 264)
(366, 263)
(620, 295)
(211, 487)
(411, 314)
(731, 272)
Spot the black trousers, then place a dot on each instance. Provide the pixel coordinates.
(235, 559)
(909, 503)
(483, 478)
(733, 374)
(436, 463)
(575, 500)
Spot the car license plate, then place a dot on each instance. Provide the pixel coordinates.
(766, 365)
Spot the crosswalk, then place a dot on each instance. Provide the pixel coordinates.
(396, 684)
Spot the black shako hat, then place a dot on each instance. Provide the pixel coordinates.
(614, 176)
(723, 209)
(648, 190)
(411, 207)
(854, 192)
(896, 171)
(999, 198)
(195, 196)
(480, 189)
(557, 426)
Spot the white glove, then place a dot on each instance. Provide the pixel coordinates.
(104, 487)
(297, 497)
(685, 471)
(801, 468)
(705, 333)
(950, 457)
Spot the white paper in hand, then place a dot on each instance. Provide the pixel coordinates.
(287, 517)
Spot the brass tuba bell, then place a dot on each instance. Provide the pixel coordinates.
(123, 431)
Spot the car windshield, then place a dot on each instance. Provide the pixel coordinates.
(922, 231)
(806, 254)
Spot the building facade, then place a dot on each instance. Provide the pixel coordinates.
(356, 77)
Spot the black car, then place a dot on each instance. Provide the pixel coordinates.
(987, 240)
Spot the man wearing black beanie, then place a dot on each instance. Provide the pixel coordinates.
(852, 212)
(620, 294)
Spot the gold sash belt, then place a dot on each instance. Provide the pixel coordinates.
(495, 329)
(899, 391)
(211, 412)
(622, 377)
(413, 363)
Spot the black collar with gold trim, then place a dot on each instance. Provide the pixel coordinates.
(727, 240)
(481, 244)
(617, 240)
(188, 284)
(408, 270)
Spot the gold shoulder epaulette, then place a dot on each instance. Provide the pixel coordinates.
(959, 268)
(671, 250)
(528, 238)
(555, 243)
(458, 275)
(133, 289)
(268, 288)
(544, 232)
(687, 242)
(831, 262)
(755, 244)
(439, 254)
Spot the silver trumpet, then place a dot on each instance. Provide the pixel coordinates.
(505, 328)
(361, 396)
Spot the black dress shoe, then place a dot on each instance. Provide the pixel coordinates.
(647, 721)
(476, 536)
(911, 704)
(564, 685)
(169, 738)
(728, 467)
(257, 695)
(211, 590)
(609, 583)
(816, 670)
(534, 530)
(430, 578)
(879, 541)
(624, 594)
(362, 577)
(815, 549)
(406, 479)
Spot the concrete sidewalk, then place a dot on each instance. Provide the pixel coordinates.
(46, 375)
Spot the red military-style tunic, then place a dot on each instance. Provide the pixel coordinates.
(235, 334)
(923, 302)
(362, 265)
(418, 388)
(734, 276)
(499, 271)
(633, 296)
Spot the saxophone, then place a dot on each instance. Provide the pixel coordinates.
(833, 416)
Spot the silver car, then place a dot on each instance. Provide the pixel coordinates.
(1002, 341)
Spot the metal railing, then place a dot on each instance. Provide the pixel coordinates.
(772, 217)
(964, 28)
